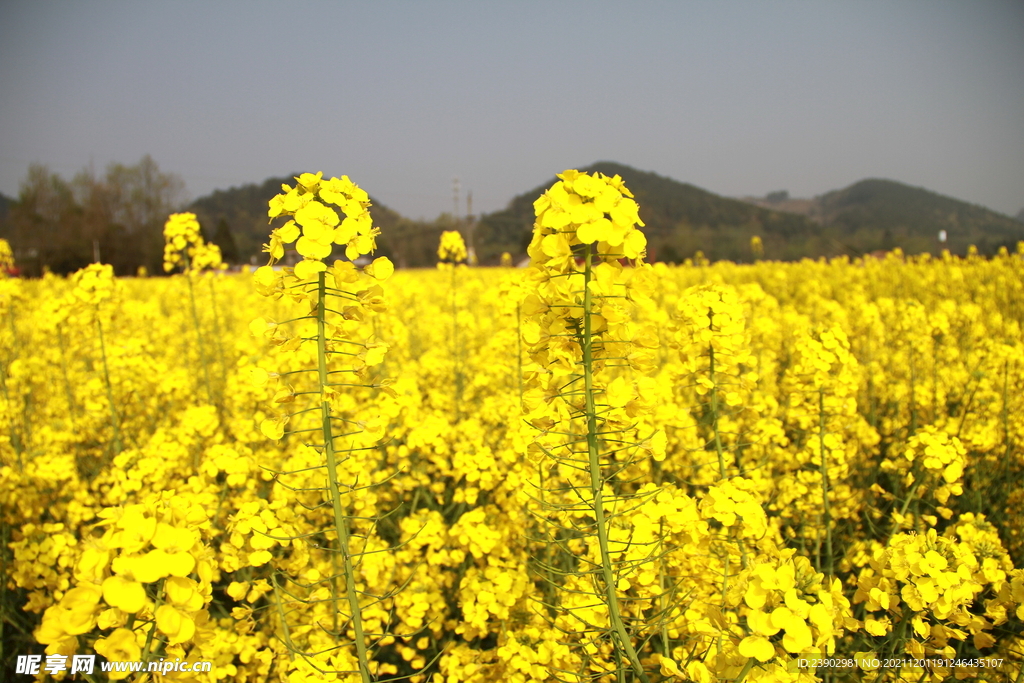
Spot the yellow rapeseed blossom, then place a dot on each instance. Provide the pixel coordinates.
(184, 245)
(6, 258)
(452, 247)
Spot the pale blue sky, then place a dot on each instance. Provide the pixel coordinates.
(735, 97)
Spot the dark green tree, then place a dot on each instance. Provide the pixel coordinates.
(119, 216)
(224, 239)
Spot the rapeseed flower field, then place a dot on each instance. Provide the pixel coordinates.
(590, 469)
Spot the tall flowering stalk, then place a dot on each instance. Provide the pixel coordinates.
(10, 292)
(716, 362)
(95, 290)
(713, 344)
(584, 395)
(6, 258)
(332, 338)
(823, 380)
(184, 247)
(452, 252)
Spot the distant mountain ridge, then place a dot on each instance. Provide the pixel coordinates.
(868, 216)
(889, 213)
(681, 219)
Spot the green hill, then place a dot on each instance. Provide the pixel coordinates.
(883, 214)
(680, 219)
(868, 216)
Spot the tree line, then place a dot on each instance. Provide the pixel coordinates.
(62, 225)
(117, 217)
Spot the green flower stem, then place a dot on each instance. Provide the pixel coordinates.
(152, 627)
(746, 669)
(519, 351)
(918, 478)
(828, 568)
(547, 569)
(15, 438)
(665, 643)
(714, 408)
(721, 454)
(68, 391)
(935, 379)
(340, 520)
(1005, 419)
(913, 395)
(64, 371)
(281, 615)
(872, 399)
(217, 332)
(335, 627)
(725, 592)
(455, 346)
(5, 538)
(621, 639)
(114, 419)
(199, 333)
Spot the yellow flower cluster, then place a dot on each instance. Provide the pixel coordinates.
(938, 460)
(586, 209)
(788, 598)
(960, 586)
(184, 246)
(452, 247)
(42, 562)
(713, 340)
(6, 258)
(731, 503)
(316, 226)
(94, 285)
(150, 566)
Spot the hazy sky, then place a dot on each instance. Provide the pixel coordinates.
(735, 97)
